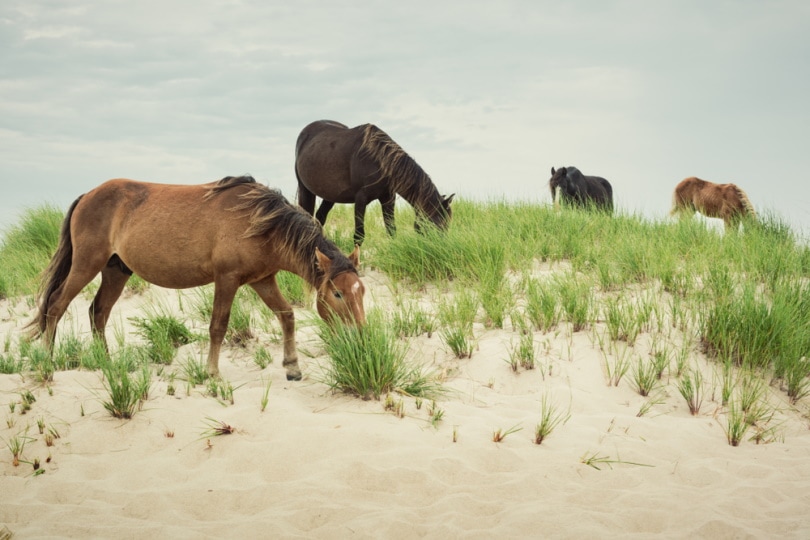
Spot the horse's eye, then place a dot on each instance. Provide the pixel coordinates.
(338, 295)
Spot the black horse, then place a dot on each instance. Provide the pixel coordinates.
(570, 185)
(360, 165)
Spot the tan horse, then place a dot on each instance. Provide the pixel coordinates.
(725, 201)
(232, 232)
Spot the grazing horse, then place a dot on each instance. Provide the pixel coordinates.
(360, 165)
(725, 201)
(570, 185)
(232, 232)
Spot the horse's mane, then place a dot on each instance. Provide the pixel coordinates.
(272, 214)
(407, 177)
(745, 201)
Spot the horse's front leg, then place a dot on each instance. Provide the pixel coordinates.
(268, 291)
(323, 211)
(360, 202)
(387, 203)
(224, 293)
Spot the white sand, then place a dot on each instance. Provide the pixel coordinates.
(314, 464)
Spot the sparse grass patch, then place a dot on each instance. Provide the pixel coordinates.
(550, 418)
(163, 332)
(498, 435)
(262, 357)
(524, 353)
(410, 320)
(266, 393)
(594, 459)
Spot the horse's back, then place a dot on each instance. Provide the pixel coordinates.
(127, 208)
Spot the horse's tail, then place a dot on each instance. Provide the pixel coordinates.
(54, 275)
(748, 208)
(679, 195)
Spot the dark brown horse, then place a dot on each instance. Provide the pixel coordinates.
(568, 184)
(360, 165)
(725, 201)
(232, 232)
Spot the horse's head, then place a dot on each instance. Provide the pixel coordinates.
(340, 296)
(440, 214)
(559, 179)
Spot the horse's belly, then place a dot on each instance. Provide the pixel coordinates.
(169, 267)
(326, 174)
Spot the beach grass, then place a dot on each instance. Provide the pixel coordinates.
(371, 361)
(741, 299)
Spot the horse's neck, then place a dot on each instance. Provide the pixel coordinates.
(419, 192)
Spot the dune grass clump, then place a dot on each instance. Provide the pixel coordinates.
(125, 391)
(691, 388)
(645, 375)
(542, 304)
(495, 293)
(736, 424)
(370, 362)
(576, 299)
(195, 371)
(10, 364)
(16, 446)
(40, 361)
(456, 316)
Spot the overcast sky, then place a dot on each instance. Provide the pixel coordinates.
(485, 96)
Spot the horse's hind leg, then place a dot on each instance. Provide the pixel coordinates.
(224, 293)
(269, 292)
(77, 279)
(114, 278)
(306, 199)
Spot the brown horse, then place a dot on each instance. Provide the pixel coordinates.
(725, 201)
(232, 232)
(360, 165)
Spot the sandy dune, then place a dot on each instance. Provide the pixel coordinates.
(319, 465)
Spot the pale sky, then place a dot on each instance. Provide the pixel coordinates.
(485, 96)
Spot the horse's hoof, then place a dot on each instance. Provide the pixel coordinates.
(293, 376)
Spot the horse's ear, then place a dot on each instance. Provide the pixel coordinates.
(553, 171)
(354, 257)
(324, 262)
(448, 200)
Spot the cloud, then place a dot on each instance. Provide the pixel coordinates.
(487, 98)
